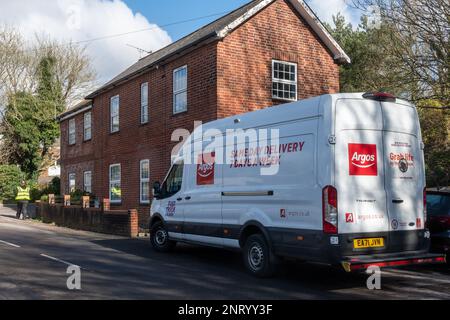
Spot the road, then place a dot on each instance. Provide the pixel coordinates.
(34, 259)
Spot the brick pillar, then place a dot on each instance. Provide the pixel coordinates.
(67, 200)
(51, 199)
(133, 223)
(86, 202)
(106, 205)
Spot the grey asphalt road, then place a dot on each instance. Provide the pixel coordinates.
(34, 258)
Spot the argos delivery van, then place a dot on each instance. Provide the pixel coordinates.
(337, 179)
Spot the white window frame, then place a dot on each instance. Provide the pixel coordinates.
(74, 179)
(180, 91)
(144, 104)
(111, 182)
(72, 132)
(87, 126)
(144, 180)
(85, 185)
(284, 81)
(112, 115)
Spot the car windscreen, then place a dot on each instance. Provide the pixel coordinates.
(438, 204)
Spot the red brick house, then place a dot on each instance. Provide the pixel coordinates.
(265, 53)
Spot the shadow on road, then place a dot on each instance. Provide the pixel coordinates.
(222, 262)
(292, 275)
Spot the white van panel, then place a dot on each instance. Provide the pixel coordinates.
(400, 118)
(358, 114)
(295, 192)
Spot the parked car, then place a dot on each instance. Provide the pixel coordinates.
(438, 209)
(347, 187)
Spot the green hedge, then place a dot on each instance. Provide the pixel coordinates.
(10, 178)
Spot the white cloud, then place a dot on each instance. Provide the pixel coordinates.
(325, 9)
(78, 20)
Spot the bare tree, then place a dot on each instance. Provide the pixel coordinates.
(73, 67)
(19, 61)
(421, 36)
(16, 65)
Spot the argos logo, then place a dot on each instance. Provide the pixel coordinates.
(362, 159)
(205, 169)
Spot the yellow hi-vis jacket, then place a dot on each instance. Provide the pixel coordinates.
(23, 194)
(117, 192)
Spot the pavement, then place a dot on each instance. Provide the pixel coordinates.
(34, 258)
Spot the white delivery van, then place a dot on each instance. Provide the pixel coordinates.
(342, 183)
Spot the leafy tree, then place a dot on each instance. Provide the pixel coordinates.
(38, 80)
(29, 125)
(50, 103)
(10, 178)
(372, 69)
(435, 122)
(21, 135)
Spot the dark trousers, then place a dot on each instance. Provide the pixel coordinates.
(22, 207)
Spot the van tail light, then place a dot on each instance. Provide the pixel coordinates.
(330, 210)
(380, 96)
(425, 213)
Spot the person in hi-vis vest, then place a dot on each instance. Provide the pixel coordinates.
(116, 193)
(22, 198)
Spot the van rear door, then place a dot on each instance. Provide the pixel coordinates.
(360, 171)
(404, 179)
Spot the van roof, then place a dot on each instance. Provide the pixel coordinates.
(286, 112)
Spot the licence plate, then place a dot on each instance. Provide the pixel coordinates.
(368, 243)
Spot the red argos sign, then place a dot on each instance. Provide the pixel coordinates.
(205, 169)
(363, 159)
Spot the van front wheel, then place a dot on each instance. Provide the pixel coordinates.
(159, 238)
(258, 257)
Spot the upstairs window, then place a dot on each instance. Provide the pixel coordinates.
(115, 106)
(72, 132)
(180, 90)
(284, 80)
(144, 103)
(87, 126)
(145, 181)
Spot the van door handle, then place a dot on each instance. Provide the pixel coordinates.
(397, 201)
(180, 199)
(187, 198)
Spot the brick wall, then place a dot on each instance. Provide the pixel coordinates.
(122, 223)
(135, 142)
(245, 60)
(79, 157)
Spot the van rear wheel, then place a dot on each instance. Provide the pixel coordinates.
(159, 238)
(258, 258)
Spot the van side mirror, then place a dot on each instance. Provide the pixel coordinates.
(156, 189)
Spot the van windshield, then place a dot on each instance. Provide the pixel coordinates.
(174, 180)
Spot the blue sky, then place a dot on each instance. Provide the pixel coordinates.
(163, 12)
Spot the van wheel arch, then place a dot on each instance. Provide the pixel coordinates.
(155, 219)
(251, 228)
